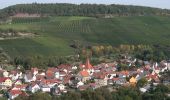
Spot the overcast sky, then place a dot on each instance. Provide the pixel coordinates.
(151, 3)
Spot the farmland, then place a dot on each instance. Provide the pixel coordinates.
(56, 33)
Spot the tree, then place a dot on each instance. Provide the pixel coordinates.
(40, 96)
(20, 97)
(71, 96)
(162, 88)
(141, 82)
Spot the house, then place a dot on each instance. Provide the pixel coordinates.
(145, 88)
(119, 81)
(57, 74)
(29, 77)
(45, 88)
(84, 75)
(62, 74)
(101, 82)
(18, 82)
(74, 68)
(22, 87)
(5, 81)
(83, 87)
(55, 91)
(15, 74)
(61, 87)
(40, 77)
(34, 71)
(34, 87)
(111, 75)
(50, 74)
(150, 77)
(92, 85)
(80, 84)
(49, 82)
(5, 74)
(14, 93)
(123, 74)
(132, 81)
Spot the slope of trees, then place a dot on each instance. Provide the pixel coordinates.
(81, 10)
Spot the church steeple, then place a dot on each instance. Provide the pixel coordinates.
(88, 65)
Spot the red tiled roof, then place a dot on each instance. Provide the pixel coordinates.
(15, 92)
(52, 69)
(49, 73)
(40, 77)
(21, 86)
(125, 72)
(152, 76)
(84, 73)
(2, 79)
(115, 79)
(48, 81)
(100, 75)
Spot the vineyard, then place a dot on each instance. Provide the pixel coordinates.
(29, 20)
(56, 33)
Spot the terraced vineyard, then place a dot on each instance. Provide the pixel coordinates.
(56, 33)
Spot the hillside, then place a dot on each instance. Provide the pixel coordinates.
(57, 33)
(81, 10)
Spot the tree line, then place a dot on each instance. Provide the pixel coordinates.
(95, 10)
(122, 93)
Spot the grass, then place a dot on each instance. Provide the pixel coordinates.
(56, 33)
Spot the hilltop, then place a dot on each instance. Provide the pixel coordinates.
(92, 10)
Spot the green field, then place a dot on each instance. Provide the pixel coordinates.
(56, 33)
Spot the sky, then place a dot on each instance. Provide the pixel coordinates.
(165, 4)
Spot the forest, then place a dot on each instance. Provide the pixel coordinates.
(95, 10)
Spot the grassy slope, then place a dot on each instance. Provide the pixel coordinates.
(57, 32)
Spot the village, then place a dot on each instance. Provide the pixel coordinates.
(63, 78)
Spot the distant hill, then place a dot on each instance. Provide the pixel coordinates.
(94, 10)
(58, 25)
(57, 33)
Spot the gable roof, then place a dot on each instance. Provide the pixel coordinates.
(21, 86)
(15, 92)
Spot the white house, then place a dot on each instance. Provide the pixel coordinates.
(45, 88)
(20, 87)
(29, 77)
(5, 74)
(34, 87)
(80, 84)
(57, 75)
(34, 71)
(74, 67)
(61, 87)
